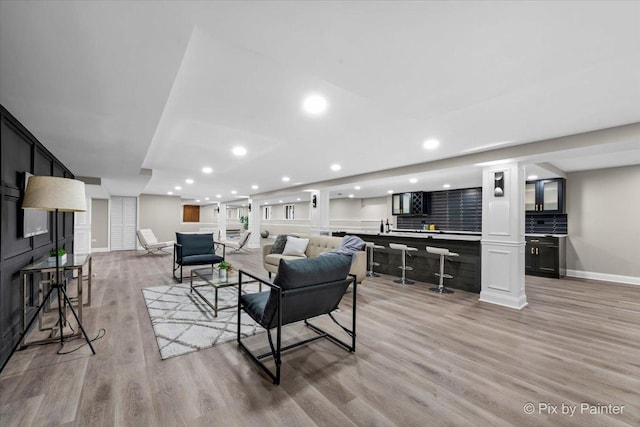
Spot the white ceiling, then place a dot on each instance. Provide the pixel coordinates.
(114, 87)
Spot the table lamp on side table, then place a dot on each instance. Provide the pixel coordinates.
(49, 193)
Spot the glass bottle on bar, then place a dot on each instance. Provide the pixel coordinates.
(381, 226)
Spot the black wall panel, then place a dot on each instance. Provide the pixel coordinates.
(22, 152)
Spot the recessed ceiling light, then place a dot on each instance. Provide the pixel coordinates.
(254, 187)
(315, 104)
(188, 181)
(197, 200)
(298, 199)
(170, 193)
(357, 187)
(206, 198)
(239, 151)
(390, 191)
(233, 191)
(431, 144)
(413, 180)
(207, 169)
(218, 195)
(279, 201)
(351, 196)
(446, 186)
(177, 187)
(335, 167)
(286, 179)
(532, 177)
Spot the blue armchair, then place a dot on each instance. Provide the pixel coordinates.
(195, 249)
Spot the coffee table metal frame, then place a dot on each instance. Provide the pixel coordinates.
(211, 278)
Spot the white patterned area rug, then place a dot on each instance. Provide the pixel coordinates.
(183, 322)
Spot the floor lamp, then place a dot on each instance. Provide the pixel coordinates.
(49, 193)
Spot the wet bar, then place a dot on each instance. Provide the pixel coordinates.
(465, 268)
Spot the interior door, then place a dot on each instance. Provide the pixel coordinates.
(82, 231)
(124, 220)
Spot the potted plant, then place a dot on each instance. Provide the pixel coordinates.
(244, 220)
(224, 268)
(61, 254)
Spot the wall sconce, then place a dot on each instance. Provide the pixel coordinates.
(218, 209)
(249, 207)
(314, 201)
(498, 184)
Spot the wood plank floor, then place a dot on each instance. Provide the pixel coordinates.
(422, 360)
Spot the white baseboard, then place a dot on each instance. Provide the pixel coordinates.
(630, 280)
(99, 250)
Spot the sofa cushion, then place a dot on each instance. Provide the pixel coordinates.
(295, 246)
(319, 244)
(311, 271)
(201, 259)
(274, 259)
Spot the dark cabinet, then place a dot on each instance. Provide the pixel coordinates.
(545, 196)
(415, 203)
(545, 256)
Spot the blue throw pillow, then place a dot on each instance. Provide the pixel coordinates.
(279, 244)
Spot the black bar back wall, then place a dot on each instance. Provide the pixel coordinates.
(459, 210)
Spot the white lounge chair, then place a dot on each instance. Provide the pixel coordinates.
(149, 241)
(237, 245)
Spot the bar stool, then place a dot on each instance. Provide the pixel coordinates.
(443, 253)
(371, 247)
(403, 267)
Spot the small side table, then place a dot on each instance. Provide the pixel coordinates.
(74, 263)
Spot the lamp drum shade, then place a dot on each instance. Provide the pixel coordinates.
(49, 193)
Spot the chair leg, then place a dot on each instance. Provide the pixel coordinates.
(441, 276)
(404, 280)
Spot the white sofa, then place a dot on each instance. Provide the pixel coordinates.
(317, 245)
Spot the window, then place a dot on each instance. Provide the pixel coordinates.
(233, 213)
(289, 211)
(266, 212)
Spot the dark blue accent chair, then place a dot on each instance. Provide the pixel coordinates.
(195, 249)
(303, 289)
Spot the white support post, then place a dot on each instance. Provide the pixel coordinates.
(254, 224)
(503, 240)
(319, 215)
(222, 221)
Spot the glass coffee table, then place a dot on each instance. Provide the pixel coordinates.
(212, 279)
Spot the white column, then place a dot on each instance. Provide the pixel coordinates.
(319, 215)
(254, 224)
(503, 240)
(222, 221)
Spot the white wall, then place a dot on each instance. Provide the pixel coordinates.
(603, 211)
(359, 214)
(162, 214)
(278, 225)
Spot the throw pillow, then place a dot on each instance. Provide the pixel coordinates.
(295, 246)
(279, 244)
